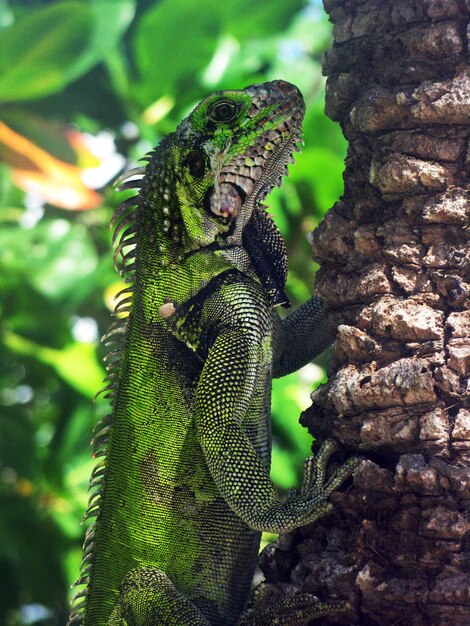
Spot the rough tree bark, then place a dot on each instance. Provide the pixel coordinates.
(395, 271)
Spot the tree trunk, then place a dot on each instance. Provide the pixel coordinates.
(395, 272)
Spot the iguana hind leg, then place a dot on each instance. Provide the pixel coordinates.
(149, 598)
(294, 611)
(266, 610)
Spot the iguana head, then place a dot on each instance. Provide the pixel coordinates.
(225, 157)
(235, 147)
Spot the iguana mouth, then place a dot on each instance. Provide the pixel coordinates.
(249, 177)
(244, 184)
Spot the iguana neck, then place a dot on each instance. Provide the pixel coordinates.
(169, 263)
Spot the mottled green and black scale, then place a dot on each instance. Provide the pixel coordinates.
(183, 491)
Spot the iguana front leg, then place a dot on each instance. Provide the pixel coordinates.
(301, 336)
(232, 372)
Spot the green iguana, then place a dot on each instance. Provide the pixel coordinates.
(183, 491)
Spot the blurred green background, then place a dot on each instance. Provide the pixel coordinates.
(86, 88)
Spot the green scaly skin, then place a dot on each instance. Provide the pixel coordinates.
(183, 491)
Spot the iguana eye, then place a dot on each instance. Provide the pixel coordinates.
(196, 163)
(223, 111)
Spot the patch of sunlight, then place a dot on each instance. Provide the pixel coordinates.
(226, 50)
(266, 539)
(84, 329)
(158, 110)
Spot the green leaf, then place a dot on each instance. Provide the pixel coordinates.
(77, 363)
(177, 39)
(31, 552)
(111, 18)
(57, 257)
(38, 53)
(292, 443)
(47, 134)
(50, 47)
(43, 321)
(290, 397)
(320, 131)
(321, 169)
(246, 19)
(283, 471)
(6, 14)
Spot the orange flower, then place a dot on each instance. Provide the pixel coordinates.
(38, 172)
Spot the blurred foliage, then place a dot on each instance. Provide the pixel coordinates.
(86, 88)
